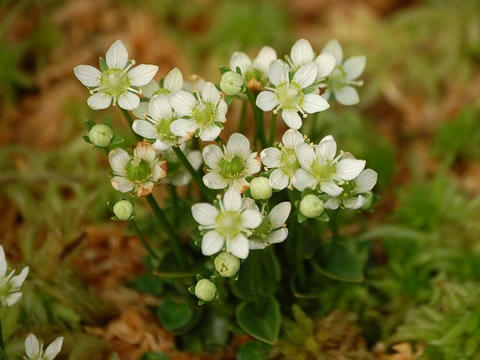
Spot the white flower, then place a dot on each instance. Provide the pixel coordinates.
(172, 83)
(228, 167)
(9, 284)
(283, 159)
(230, 226)
(291, 96)
(34, 348)
(177, 174)
(118, 83)
(273, 229)
(156, 124)
(354, 192)
(139, 172)
(344, 75)
(302, 53)
(206, 113)
(321, 168)
(256, 69)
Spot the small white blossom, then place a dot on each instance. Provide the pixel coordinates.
(355, 191)
(229, 226)
(117, 84)
(321, 168)
(139, 172)
(34, 348)
(283, 159)
(228, 167)
(10, 285)
(345, 75)
(204, 113)
(177, 174)
(302, 53)
(256, 69)
(172, 83)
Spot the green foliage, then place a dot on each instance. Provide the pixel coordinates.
(253, 350)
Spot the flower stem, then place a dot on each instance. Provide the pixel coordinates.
(299, 256)
(273, 125)
(334, 225)
(243, 113)
(129, 119)
(3, 351)
(258, 114)
(143, 240)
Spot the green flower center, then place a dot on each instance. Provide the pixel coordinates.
(204, 113)
(138, 170)
(323, 172)
(289, 95)
(288, 162)
(228, 224)
(337, 79)
(263, 230)
(162, 91)
(114, 82)
(233, 168)
(163, 130)
(348, 189)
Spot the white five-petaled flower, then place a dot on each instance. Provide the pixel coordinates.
(355, 191)
(230, 225)
(258, 68)
(228, 167)
(321, 168)
(139, 172)
(156, 124)
(9, 284)
(177, 174)
(302, 53)
(118, 83)
(204, 113)
(345, 75)
(283, 159)
(291, 96)
(34, 348)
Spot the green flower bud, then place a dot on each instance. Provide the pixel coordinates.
(123, 209)
(100, 135)
(311, 206)
(227, 264)
(260, 188)
(205, 290)
(231, 83)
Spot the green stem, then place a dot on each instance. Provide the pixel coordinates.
(129, 119)
(258, 114)
(334, 225)
(273, 125)
(3, 351)
(299, 256)
(144, 241)
(243, 113)
(174, 275)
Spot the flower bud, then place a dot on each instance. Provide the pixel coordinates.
(260, 188)
(100, 135)
(123, 209)
(311, 206)
(227, 264)
(231, 83)
(205, 290)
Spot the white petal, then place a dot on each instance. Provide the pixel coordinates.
(241, 60)
(354, 203)
(210, 93)
(238, 246)
(292, 138)
(232, 200)
(334, 48)
(118, 159)
(305, 155)
(249, 203)
(54, 348)
(183, 127)
(212, 155)
(173, 81)
(159, 108)
(117, 55)
(99, 101)
(256, 245)
(331, 188)
(17, 281)
(306, 75)
(159, 170)
(251, 218)
(347, 95)
(183, 102)
(326, 62)
(354, 66)
(267, 100)
(264, 58)
(122, 184)
(145, 129)
(277, 236)
(348, 169)
(128, 101)
(303, 180)
(222, 109)
(12, 299)
(32, 346)
(292, 119)
(3, 262)
(301, 52)
(204, 213)
(253, 164)
(313, 103)
(144, 150)
(213, 180)
(212, 243)
(210, 133)
(326, 148)
(239, 184)
(366, 181)
(88, 75)
(332, 203)
(271, 157)
(195, 159)
(239, 145)
(279, 214)
(278, 180)
(278, 72)
(141, 111)
(142, 74)
(150, 89)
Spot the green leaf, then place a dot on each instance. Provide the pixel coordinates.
(154, 355)
(174, 315)
(149, 284)
(253, 350)
(339, 262)
(260, 319)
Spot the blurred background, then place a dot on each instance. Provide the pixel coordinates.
(418, 125)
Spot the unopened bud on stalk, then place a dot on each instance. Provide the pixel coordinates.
(100, 135)
(123, 209)
(227, 264)
(260, 188)
(311, 206)
(205, 290)
(231, 83)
